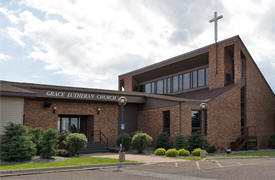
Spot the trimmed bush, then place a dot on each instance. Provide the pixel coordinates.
(196, 152)
(49, 144)
(211, 149)
(162, 141)
(62, 140)
(180, 142)
(196, 140)
(76, 142)
(272, 141)
(15, 144)
(160, 152)
(36, 135)
(184, 152)
(126, 141)
(172, 153)
(140, 141)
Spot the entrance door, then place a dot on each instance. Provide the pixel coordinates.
(77, 124)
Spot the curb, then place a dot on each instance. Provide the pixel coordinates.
(5, 173)
(263, 157)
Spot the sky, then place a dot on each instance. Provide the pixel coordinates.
(87, 43)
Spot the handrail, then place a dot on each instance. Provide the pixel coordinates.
(102, 138)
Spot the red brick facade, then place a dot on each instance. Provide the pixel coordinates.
(38, 116)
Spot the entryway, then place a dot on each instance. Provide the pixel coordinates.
(77, 124)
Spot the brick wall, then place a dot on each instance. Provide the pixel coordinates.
(38, 116)
(151, 121)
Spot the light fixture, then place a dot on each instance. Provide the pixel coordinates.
(98, 111)
(122, 101)
(203, 106)
(54, 108)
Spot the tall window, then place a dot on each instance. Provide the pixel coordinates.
(166, 121)
(206, 76)
(194, 79)
(196, 120)
(153, 87)
(165, 86)
(175, 83)
(186, 81)
(148, 88)
(180, 82)
(160, 87)
(201, 77)
(169, 85)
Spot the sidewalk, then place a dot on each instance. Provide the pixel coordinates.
(138, 157)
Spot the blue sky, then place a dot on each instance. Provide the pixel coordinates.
(89, 43)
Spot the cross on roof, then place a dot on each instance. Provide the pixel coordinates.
(215, 19)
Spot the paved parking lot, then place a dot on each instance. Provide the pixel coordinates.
(262, 168)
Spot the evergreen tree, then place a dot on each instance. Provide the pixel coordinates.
(16, 145)
(49, 144)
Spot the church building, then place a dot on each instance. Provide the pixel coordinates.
(217, 89)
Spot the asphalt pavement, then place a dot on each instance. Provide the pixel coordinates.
(262, 168)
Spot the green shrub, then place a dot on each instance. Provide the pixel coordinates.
(126, 141)
(184, 152)
(62, 140)
(180, 142)
(172, 153)
(36, 135)
(162, 141)
(140, 141)
(272, 141)
(211, 149)
(196, 152)
(15, 144)
(196, 140)
(76, 142)
(160, 152)
(49, 143)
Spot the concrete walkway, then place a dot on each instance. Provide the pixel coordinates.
(139, 157)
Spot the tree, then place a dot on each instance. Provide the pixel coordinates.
(75, 142)
(180, 142)
(162, 141)
(49, 143)
(36, 135)
(140, 141)
(126, 141)
(196, 140)
(15, 144)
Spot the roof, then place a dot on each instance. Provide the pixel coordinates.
(21, 89)
(176, 58)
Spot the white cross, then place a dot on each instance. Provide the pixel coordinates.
(215, 19)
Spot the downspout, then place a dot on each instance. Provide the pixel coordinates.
(180, 115)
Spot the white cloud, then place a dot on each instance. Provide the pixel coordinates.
(94, 41)
(16, 35)
(4, 57)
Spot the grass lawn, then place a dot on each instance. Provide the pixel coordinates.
(247, 154)
(77, 161)
(240, 154)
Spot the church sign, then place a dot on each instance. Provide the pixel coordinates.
(81, 96)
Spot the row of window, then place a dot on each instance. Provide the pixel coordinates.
(196, 121)
(193, 79)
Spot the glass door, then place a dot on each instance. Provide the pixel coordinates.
(69, 123)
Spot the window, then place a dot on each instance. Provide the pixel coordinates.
(201, 78)
(194, 79)
(196, 120)
(169, 85)
(153, 87)
(180, 82)
(186, 81)
(165, 86)
(148, 88)
(175, 83)
(166, 121)
(206, 76)
(68, 123)
(160, 87)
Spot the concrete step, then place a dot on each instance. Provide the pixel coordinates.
(94, 147)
